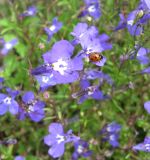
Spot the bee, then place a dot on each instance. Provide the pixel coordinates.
(95, 57)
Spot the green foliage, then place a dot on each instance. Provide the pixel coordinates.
(125, 106)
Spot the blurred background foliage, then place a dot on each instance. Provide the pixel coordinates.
(128, 94)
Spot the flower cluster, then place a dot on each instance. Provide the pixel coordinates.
(136, 19)
(62, 66)
(28, 106)
(75, 61)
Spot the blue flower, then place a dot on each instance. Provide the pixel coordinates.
(82, 31)
(122, 24)
(135, 19)
(135, 28)
(81, 149)
(54, 28)
(8, 102)
(144, 146)
(57, 139)
(31, 107)
(92, 91)
(92, 8)
(110, 133)
(88, 91)
(90, 41)
(19, 158)
(7, 46)
(31, 11)
(58, 67)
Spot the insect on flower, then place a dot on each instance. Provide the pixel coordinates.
(95, 57)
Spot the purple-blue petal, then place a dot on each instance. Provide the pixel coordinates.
(147, 106)
(28, 97)
(50, 140)
(3, 108)
(61, 50)
(14, 107)
(56, 128)
(19, 158)
(57, 150)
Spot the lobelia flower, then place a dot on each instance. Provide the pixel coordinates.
(135, 19)
(7, 46)
(122, 24)
(19, 158)
(110, 133)
(147, 106)
(92, 8)
(82, 31)
(92, 91)
(88, 91)
(58, 67)
(8, 102)
(135, 28)
(144, 146)
(92, 46)
(142, 55)
(31, 11)
(57, 139)
(90, 41)
(95, 74)
(31, 107)
(54, 28)
(81, 149)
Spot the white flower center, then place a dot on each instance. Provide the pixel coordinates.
(8, 45)
(45, 79)
(147, 146)
(81, 35)
(60, 138)
(90, 93)
(109, 129)
(112, 137)
(7, 100)
(130, 22)
(31, 108)
(52, 28)
(80, 149)
(89, 50)
(30, 12)
(92, 8)
(60, 66)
